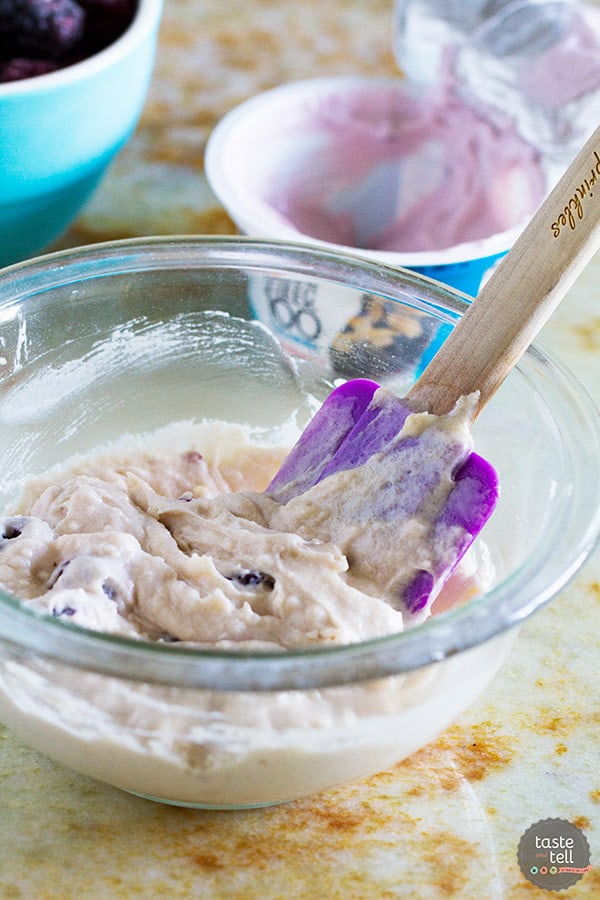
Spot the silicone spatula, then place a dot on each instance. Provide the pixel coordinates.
(509, 311)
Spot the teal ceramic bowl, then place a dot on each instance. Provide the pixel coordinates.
(60, 131)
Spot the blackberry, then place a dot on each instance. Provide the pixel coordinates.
(253, 579)
(39, 36)
(111, 590)
(65, 611)
(40, 29)
(105, 21)
(168, 638)
(11, 527)
(21, 67)
(57, 572)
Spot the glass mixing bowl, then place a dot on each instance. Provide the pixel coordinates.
(129, 336)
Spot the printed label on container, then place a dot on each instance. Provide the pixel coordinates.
(357, 334)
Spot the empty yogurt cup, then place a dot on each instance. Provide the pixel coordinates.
(412, 178)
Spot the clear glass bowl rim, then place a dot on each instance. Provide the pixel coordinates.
(503, 608)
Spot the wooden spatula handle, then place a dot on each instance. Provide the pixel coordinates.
(522, 292)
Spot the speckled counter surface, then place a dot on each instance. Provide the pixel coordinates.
(447, 822)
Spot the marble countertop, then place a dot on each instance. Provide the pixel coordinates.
(445, 823)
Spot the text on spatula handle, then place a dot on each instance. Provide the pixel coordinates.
(574, 210)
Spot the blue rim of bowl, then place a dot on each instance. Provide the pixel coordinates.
(504, 607)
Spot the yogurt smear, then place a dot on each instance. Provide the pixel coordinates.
(385, 167)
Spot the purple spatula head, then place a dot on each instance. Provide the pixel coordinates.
(468, 507)
(360, 428)
(322, 438)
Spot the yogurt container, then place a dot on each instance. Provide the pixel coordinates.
(344, 326)
(407, 176)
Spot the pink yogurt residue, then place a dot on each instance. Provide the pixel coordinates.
(388, 168)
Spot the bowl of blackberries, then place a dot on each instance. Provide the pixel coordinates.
(74, 77)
